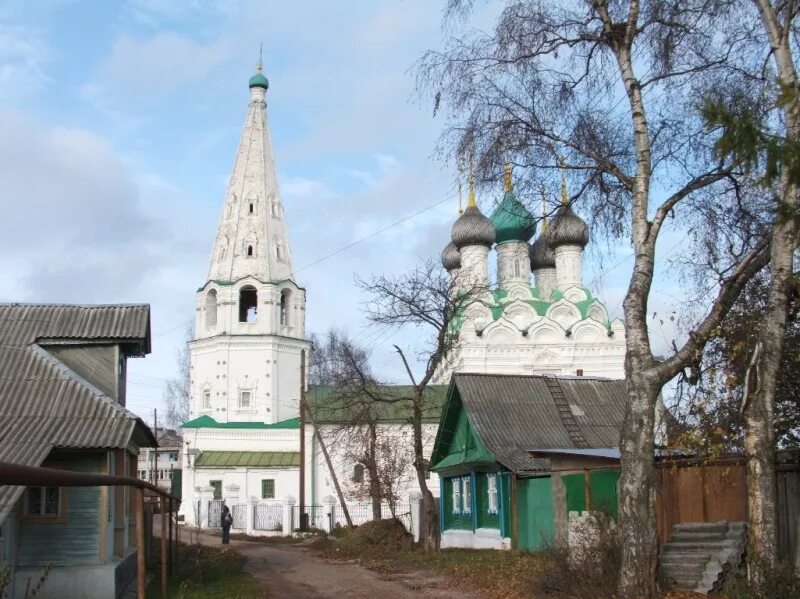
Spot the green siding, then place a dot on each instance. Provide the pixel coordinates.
(505, 503)
(75, 542)
(535, 513)
(486, 519)
(458, 444)
(460, 521)
(602, 487)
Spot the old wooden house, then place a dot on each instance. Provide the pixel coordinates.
(515, 454)
(62, 405)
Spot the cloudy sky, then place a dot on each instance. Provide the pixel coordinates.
(119, 122)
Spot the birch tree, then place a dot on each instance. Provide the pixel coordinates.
(771, 144)
(608, 90)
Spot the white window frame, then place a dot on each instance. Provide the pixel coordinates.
(456, 495)
(491, 491)
(466, 495)
(206, 400)
(249, 393)
(42, 515)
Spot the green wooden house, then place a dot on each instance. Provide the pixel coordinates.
(515, 454)
(62, 405)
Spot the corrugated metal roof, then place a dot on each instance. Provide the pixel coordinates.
(606, 452)
(250, 459)
(512, 413)
(43, 404)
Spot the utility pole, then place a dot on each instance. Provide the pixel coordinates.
(154, 475)
(303, 515)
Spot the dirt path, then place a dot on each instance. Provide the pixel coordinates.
(293, 572)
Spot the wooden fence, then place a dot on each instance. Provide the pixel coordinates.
(714, 491)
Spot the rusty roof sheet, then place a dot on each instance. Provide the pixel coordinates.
(512, 413)
(43, 403)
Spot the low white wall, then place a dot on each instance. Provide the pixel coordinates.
(69, 582)
(482, 538)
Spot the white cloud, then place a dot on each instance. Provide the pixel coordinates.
(23, 54)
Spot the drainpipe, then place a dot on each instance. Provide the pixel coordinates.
(514, 513)
(313, 470)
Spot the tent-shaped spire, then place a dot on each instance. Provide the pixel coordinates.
(251, 238)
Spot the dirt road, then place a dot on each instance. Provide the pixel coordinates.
(293, 572)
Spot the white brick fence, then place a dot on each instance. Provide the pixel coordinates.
(282, 517)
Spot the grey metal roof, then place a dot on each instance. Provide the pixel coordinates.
(512, 413)
(451, 257)
(43, 403)
(541, 254)
(606, 452)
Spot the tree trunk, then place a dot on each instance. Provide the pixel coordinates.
(637, 489)
(371, 463)
(759, 407)
(429, 520)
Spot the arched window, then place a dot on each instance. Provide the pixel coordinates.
(211, 308)
(249, 251)
(274, 207)
(284, 307)
(278, 250)
(248, 304)
(358, 473)
(516, 268)
(251, 208)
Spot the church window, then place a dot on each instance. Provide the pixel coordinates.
(278, 251)
(245, 399)
(268, 488)
(358, 473)
(516, 268)
(217, 486)
(206, 399)
(251, 208)
(274, 210)
(248, 302)
(249, 251)
(284, 306)
(491, 490)
(211, 308)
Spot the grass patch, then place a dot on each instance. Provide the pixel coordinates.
(206, 573)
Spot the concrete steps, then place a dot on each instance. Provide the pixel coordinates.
(698, 555)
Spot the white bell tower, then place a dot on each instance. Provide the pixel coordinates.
(250, 313)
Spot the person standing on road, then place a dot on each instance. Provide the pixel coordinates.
(226, 522)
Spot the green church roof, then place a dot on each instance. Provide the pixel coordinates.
(258, 80)
(250, 459)
(206, 421)
(512, 221)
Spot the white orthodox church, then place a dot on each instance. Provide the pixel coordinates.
(553, 326)
(243, 439)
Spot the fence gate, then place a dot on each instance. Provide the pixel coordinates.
(268, 517)
(239, 513)
(215, 513)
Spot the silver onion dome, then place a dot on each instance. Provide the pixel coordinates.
(541, 254)
(451, 257)
(473, 228)
(567, 228)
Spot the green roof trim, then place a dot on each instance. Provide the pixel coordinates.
(249, 459)
(206, 421)
(228, 283)
(512, 221)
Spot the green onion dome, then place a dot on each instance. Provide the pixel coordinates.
(567, 228)
(451, 257)
(511, 220)
(258, 80)
(541, 254)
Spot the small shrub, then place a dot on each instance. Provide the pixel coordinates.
(780, 582)
(589, 571)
